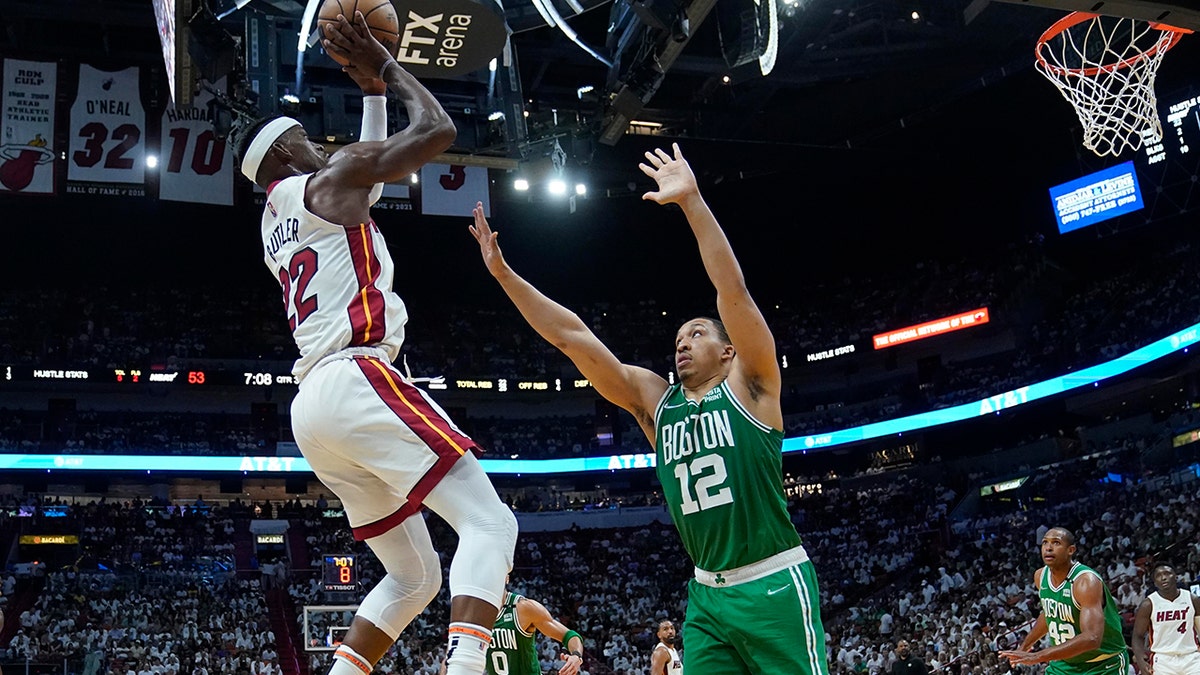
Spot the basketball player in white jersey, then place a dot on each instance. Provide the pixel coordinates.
(664, 660)
(373, 438)
(1168, 616)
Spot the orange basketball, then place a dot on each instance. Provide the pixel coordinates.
(380, 15)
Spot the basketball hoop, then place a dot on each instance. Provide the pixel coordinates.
(1105, 67)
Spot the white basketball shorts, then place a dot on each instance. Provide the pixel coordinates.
(1176, 664)
(379, 443)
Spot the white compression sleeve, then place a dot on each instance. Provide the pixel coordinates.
(486, 527)
(374, 128)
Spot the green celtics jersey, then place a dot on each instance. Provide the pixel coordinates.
(1062, 616)
(512, 651)
(722, 478)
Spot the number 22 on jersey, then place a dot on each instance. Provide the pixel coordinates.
(297, 275)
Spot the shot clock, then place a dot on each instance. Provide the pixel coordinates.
(340, 573)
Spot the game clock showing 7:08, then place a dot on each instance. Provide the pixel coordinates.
(341, 573)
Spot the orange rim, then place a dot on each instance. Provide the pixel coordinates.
(1075, 18)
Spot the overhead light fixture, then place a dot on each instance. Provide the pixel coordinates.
(557, 187)
(916, 16)
(414, 179)
(151, 161)
(290, 99)
(766, 61)
(580, 189)
(310, 13)
(584, 89)
(492, 65)
(725, 79)
(520, 185)
(495, 116)
(644, 123)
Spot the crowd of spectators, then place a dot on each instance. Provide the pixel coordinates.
(152, 588)
(130, 432)
(155, 584)
(1061, 318)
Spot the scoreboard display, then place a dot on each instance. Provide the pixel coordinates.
(340, 573)
(131, 376)
(1181, 127)
(267, 375)
(1180, 114)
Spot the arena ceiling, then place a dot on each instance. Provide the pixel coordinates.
(846, 69)
(848, 74)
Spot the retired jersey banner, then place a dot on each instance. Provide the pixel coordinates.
(107, 151)
(27, 146)
(195, 166)
(453, 189)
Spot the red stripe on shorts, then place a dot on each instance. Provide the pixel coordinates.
(366, 308)
(411, 407)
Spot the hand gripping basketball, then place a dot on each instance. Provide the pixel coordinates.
(354, 43)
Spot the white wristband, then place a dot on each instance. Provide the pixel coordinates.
(374, 128)
(374, 120)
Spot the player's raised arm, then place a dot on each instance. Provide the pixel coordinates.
(744, 322)
(430, 130)
(634, 389)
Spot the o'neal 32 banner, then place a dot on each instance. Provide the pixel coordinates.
(107, 151)
(27, 144)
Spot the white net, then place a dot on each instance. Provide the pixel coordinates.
(1105, 67)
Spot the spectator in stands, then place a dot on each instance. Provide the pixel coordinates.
(906, 662)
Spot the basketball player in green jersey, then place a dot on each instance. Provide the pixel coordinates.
(513, 651)
(753, 603)
(1078, 613)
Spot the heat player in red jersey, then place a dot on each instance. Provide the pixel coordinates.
(1168, 618)
(373, 438)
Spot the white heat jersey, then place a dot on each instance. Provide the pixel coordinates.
(336, 279)
(675, 665)
(1172, 625)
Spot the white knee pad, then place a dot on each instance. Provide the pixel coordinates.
(413, 579)
(485, 555)
(394, 603)
(486, 527)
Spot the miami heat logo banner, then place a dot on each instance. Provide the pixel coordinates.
(195, 165)
(107, 151)
(27, 145)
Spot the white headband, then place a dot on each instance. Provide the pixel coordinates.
(262, 142)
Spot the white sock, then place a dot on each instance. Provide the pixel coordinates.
(346, 661)
(467, 649)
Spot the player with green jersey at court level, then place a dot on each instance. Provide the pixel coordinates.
(1078, 614)
(753, 602)
(513, 651)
